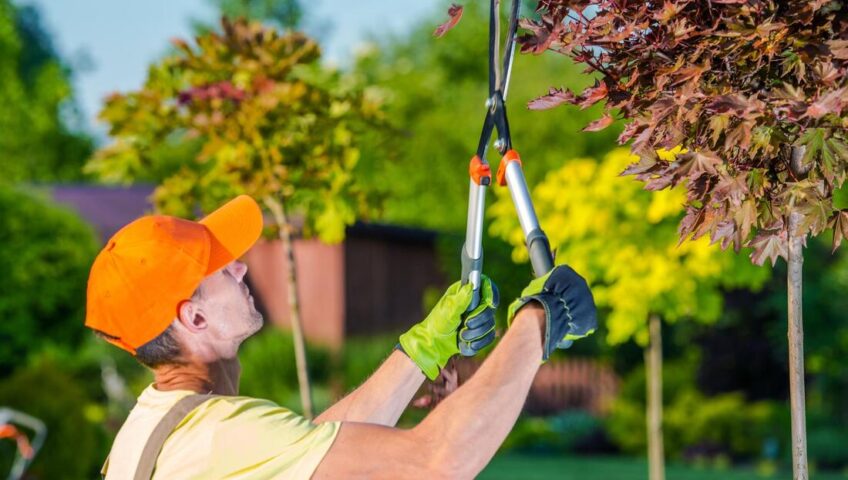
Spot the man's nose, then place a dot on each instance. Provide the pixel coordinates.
(238, 269)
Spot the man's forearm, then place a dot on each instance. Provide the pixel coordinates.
(472, 423)
(383, 397)
(462, 434)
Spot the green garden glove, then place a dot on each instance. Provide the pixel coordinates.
(570, 312)
(431, 343)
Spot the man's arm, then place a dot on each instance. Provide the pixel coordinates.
(462, 434)
(383, 397)
(429, 345)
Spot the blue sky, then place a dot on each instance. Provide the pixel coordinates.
(114, 40)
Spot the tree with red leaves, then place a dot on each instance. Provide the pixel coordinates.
(756, 94)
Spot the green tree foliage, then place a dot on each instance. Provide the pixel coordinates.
(435, 90)
(39, 136)
(45, 258)
(623, 240)
(73, 449)
(360, 357)
(251, 111)
(828, 336)
(280, 13)
(273, 351)
(693, 424)
(826, 332)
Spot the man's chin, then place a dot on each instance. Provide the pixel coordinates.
(257, 321)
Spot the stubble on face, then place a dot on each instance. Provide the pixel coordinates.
(256, 318)
(231, 307)
(253, 316)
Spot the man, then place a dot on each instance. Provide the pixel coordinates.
(171, 292)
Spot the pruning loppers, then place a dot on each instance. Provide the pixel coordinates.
(509, 174)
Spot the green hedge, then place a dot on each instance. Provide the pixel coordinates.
(76, 440)
(45, 256)
(556, 434)
(360, 357)
(269, 370)
(694, 425)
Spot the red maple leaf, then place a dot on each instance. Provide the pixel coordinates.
(555, 97)
(839, 48)
(593, 94)
(455, 13)
(769, 244)
(599, 124)
(829, 103)
(630, 130)
(726, 232)
(539, 36)
(840, 228)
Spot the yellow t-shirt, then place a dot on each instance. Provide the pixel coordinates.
(227, 437)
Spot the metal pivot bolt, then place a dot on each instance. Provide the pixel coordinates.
(499, 144)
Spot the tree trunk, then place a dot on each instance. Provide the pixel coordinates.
(278, 211)
(796, 350)
(653, 367)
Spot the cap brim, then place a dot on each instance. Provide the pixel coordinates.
(233, 228)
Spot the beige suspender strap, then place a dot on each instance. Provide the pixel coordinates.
(163, 430)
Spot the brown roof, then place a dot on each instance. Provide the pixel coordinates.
(106, 208)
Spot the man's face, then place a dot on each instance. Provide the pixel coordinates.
(227, 304)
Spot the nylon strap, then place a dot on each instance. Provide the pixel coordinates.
(163, 430)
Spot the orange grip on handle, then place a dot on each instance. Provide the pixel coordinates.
(480, 172)
(509, 156)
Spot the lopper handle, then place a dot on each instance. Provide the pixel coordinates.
(472, 250)
(539, 249)
(471, 271)
(511, 175)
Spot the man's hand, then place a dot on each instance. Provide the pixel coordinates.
(478, 326)
(569, 307)
(480, 413)
(431, 343)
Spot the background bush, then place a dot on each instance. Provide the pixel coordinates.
(569, 431)
(76, 439)
(694, 425)
(45, 257)
(268, 369)
(827, 441)
(360, 357)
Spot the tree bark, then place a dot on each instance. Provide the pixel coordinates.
(278, 211)
(654, 414)
(796, 350)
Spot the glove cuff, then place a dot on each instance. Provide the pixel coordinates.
(421, 352)
(552, 338)
(544, 299)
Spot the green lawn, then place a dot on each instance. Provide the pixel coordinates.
(539, 467)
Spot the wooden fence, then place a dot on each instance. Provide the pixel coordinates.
(571, 384)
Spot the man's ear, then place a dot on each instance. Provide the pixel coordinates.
(191, 317)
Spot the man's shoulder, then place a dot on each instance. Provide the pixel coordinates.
(241, 401)
(226, 434)
(229, 405)
(245, 414)
(257, 435)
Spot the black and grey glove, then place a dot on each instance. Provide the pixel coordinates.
(478, 326)
(570, 312)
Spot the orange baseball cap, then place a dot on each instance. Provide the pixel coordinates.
(154, 263)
